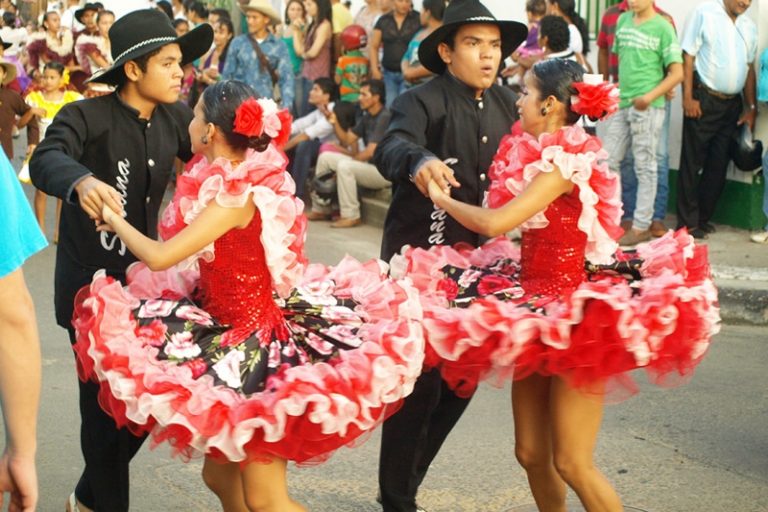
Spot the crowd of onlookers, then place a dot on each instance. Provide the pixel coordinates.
(319, 45)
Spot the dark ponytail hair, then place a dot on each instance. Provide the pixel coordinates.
(569, 9)
(220, 101)
(555, 77)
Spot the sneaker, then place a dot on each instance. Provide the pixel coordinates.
(760, 238)
(634, 237)
(658, 229)
(707, 228)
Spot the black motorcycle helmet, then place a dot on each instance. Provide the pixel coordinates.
(746, 153)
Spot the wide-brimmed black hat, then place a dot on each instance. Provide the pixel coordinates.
(5, 45)
(143, 31)
(87, 7)
(465, 12)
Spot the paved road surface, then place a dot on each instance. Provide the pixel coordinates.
(701, 447)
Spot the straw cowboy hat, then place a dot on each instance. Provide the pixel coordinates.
(264, 7)
(10, 72)
(465, 12)
(141, 32)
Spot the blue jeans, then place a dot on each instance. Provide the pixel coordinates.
(302, 158)
(629, 179)
(394, 84)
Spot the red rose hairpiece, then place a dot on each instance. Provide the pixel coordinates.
(253, 118)
(596, 98)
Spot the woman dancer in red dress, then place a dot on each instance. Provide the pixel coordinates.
(567, 316)
(251, 361)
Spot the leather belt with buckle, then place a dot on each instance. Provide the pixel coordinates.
(716, 94)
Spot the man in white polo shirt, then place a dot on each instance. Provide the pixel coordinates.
(719, 45)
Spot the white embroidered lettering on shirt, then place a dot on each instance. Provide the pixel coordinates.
(109, 240)
(437, 228)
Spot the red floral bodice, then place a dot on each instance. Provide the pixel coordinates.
(236, 286)
(552, 257)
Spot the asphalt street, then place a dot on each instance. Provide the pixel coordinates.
(700, 447)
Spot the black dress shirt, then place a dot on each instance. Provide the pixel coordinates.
(441, 119)
(106, 138)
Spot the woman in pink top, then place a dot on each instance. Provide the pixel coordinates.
(314, 46)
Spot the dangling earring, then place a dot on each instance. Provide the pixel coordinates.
(204, 139)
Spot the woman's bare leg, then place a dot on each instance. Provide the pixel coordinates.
(576, 419)
(224, 480)
(266, 488)
(533, 442)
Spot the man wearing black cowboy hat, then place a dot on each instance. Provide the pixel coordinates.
(445, 130)
(117, 149)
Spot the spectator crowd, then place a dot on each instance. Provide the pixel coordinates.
(315, 57)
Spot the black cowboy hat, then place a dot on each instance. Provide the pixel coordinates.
(5, 45)
(464, 12)
(87, 7)
(146, 30)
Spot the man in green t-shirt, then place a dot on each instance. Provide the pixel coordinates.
(650, 65)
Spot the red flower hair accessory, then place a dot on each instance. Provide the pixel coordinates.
(596, 98)
(254, 118)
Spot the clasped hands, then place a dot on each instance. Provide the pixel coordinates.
(99, 201)
(434, 179)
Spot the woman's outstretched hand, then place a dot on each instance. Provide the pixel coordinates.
(108, 216)
(437, 193)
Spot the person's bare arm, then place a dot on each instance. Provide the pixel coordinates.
(213, 222)
(19, 391)
(543, 190)
(295, 141)
(750, 111)
(602, 63)
(373, 54)
(671, 80)
(691, 106)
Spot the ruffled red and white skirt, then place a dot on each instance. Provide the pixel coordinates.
(347, 350)
(654, 308)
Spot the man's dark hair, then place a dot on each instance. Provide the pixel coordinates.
(221, 13)
(180, 21)
(141, 61)
(436, 8)
(166, 8)
(199, 9)
(346, 112)
(555, 29)
(536, 7)
(9, 19)
(328, 86)
(377, 88)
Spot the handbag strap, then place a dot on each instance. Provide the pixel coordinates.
(263, 61)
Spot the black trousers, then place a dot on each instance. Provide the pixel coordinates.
(412, 437)
(705, 148)
(107, 451)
